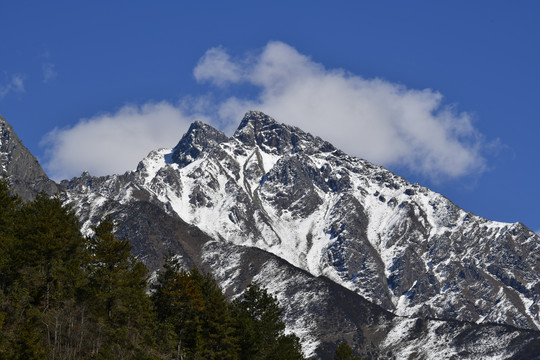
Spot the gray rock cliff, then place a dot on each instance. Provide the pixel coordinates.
(20, 167)
(275, 188)
(352, 251)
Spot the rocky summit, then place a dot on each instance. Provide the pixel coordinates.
(20, 167)
(352, 251)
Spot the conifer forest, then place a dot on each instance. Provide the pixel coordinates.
(66, 296)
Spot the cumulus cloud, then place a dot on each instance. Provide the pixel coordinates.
(112, 143)
(383, 122)
(15, 84)
(217, 67)
(49, 72)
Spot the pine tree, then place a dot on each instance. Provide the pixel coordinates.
(196, 314)
(287, 348)
(40, 272)
(9, 206)
(116, 294)
(9, 211)
(66, 297)
(260, 328)
(344, 352)
(178, 302)
(217, 340)
(50, 251)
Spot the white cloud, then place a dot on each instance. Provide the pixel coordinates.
(216, 66)
(16, 85)
(383, 122)
(48, 72)
(114, 142)
(380, 121)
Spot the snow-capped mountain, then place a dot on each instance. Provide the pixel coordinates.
(279, 189)
(352, 251)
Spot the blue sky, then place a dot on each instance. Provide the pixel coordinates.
(445, 94)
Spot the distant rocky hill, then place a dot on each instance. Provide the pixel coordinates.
(20, 167)
(352, 251)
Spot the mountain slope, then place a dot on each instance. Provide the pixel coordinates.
(400, 245)
(321, 312)
(343, 243)
(20, 167)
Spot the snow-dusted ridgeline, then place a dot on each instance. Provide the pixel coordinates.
(279, 189)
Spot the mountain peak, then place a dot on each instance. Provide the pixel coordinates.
(259, 129)
(256, 119)
(275, 189)
(198, 137)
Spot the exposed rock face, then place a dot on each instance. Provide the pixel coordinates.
(20, 167)
(344, 244)
(276, 188)
(317, 309)
(198, 138)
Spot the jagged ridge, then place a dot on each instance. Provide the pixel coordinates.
(277, 188)
(272, 189)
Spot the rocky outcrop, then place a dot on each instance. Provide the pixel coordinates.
(275, 188)
(320, 311)
(20, 167)
(199, 138)
(352, 251)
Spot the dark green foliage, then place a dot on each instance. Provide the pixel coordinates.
(199, 323)
(50, 250)
(9, 205)
(196, 314)
(260, 328)
(216, 333)
(287, 347)
(40, 254)
(116, 294)
(63, 296)
(9, 212)
(179, 303)
(344, 352)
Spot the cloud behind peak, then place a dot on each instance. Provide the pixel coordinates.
(383, 122)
